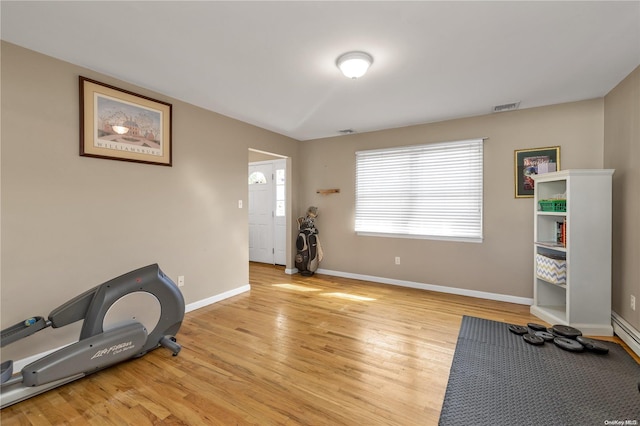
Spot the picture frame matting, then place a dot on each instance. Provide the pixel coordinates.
(117, 124)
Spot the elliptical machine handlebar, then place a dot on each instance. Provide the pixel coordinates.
(23, 329)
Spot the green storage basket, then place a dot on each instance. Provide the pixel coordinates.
(553, 205)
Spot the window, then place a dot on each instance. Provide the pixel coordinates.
(423, 191)
(257, 178)
(280, 194)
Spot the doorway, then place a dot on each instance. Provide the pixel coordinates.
(267, 211)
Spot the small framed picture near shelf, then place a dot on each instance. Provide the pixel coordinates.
(120, 125)
(529, 162)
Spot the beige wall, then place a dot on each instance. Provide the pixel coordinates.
(70, 222)
(503, 263)
(622, 152)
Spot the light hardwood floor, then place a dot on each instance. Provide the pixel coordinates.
(294, 350)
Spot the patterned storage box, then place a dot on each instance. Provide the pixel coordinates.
(553, 270)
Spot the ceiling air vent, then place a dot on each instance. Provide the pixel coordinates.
(506, 107)
(346, 131)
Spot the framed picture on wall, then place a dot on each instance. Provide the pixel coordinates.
(120, 125)
(529, 162)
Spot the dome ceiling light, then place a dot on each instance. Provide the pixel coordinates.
(354, 64)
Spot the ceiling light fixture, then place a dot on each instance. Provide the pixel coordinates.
(354, 64)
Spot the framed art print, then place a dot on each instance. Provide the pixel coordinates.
(529, 162)
(120, 125)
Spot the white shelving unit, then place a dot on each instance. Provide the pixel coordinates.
(584, 300)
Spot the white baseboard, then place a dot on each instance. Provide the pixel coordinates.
(217, 298)
(432, 287)
(626, 332)
(291, 271)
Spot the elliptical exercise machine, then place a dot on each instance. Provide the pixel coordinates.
(124, 318)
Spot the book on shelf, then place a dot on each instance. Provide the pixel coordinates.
(561, 233)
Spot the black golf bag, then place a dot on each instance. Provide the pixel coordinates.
(308, 244)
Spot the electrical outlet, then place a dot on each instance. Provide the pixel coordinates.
(181, 281)
(633, 302)
(397, 260)
(239, 204)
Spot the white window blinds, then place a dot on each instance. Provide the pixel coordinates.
(421, 191)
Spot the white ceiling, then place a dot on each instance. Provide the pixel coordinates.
(272, 64)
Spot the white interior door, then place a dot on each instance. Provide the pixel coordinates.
(267, 211)
(261, 213)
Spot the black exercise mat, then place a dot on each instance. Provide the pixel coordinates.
(497, 378)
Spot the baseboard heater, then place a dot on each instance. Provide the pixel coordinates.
(626, 332)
